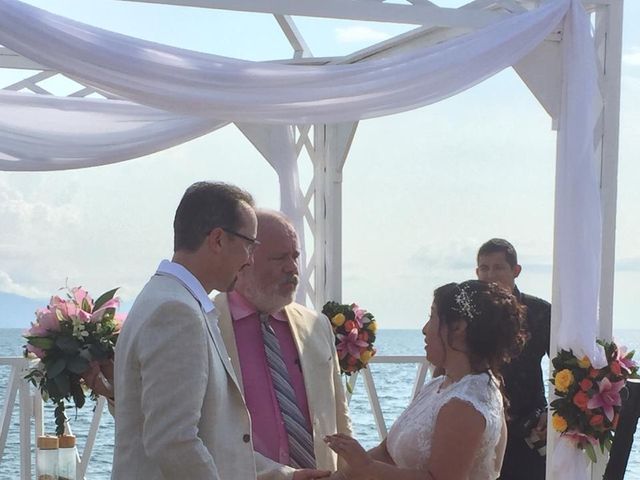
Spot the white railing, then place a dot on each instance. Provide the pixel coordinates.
(31, 408)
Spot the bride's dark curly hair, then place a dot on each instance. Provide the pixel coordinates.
(495, 321)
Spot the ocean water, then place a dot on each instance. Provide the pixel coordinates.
(393, 383)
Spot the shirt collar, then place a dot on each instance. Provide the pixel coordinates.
(187, 278)
(242, 308)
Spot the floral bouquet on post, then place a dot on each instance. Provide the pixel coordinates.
(69, 336)
(589, 399)
(355, 332)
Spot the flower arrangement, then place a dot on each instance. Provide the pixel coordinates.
(355, 332)
(589, 399)
(68, 336)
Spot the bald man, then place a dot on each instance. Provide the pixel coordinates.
(295, 403)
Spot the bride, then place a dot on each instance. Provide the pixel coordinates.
(455, 428)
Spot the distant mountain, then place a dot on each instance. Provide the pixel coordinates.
(17, 311)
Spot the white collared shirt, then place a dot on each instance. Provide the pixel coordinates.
(187, 278)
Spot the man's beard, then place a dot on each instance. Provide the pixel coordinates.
(269, 301)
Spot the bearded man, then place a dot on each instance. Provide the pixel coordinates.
(283, 354)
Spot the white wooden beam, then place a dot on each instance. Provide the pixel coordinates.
(10, 59)
(427, 15)
(295, 38)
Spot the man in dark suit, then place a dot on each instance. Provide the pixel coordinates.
(524, 385)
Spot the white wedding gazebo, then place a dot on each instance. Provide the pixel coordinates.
(154, 96)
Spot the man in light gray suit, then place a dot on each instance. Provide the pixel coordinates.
(180, 413)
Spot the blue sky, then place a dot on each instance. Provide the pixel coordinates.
(422, 190)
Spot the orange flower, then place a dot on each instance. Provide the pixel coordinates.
(350, 325)
(593, 373)
(558, 422)
(596, 420)
(366, 356)
(563, 379)
(584, 362)
(586, 384)
(615, 368)
(580, 400)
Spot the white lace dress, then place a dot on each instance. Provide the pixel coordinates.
(410, 437)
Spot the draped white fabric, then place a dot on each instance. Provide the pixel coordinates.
(199, 88)
(578, 223)
(43, 132)
(578, 229)
(207, 85)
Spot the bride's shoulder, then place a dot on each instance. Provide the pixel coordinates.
(482, 388)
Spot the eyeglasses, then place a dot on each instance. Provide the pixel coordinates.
(253, 242)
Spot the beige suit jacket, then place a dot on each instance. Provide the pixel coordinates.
(315, 343)
(180, 413)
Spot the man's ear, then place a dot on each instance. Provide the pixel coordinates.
(215, 239)
(516, 270)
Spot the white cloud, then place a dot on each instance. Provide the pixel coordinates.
(358, 33)
(632, 58)
(8, 285)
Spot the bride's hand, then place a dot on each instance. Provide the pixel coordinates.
(352, 452)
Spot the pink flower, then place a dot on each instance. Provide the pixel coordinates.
(607, 397)
(349, 344)
(98, 314)
(67, 308)
(119, 319)
(79, 294)
(46, 321)
(360, 315)
(627, 364)
(579, 438)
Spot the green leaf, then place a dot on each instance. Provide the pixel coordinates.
(591, 453)
(608, 443)
(85, 305)
(104, 298)
(51, 389)
(349, 387)
(78, 393)
(60, 417)
(63, 384)
(68, 344)
(56, 368)
(77, 364)
(45, 343)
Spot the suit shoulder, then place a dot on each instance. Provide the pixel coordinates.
(535, 302)
(159, 293)
(305, 311)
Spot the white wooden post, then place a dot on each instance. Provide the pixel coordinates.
(608, 35)
(332, 143)
(26, 406)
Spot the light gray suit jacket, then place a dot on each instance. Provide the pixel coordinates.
(180, 413)
(315, 343)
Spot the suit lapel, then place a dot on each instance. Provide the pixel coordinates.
(301, 331)
(214, 333)
(228, 336)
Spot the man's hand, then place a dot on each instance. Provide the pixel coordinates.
(541, 427)
(310, 474)
(99, 378)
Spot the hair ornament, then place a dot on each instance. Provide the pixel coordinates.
(464, 303)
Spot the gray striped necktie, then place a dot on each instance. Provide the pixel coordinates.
(300, 438)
